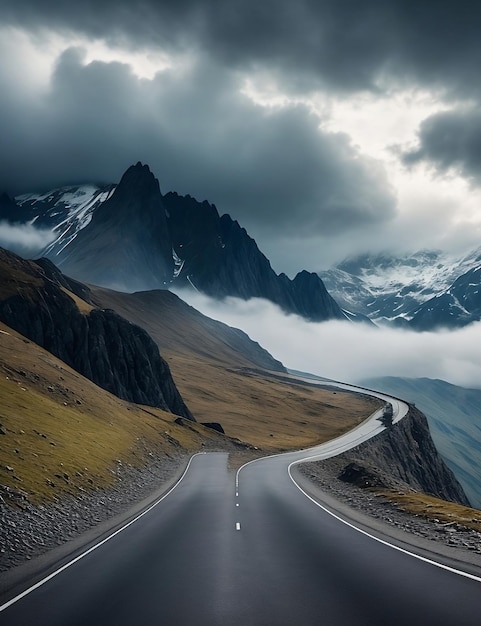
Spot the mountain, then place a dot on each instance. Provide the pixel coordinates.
(126, 242)
(456, 307)
(424, 291)
(115, 339)
(58, 314)
(454, 418)
(131, 237)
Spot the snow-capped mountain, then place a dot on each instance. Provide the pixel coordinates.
(424, 290)
(131, 237)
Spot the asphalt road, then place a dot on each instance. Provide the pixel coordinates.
(252, 552)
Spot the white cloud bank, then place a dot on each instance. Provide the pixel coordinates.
(351, 352)
(24, 239)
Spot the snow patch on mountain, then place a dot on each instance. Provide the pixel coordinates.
(66, 211)
(387, 288)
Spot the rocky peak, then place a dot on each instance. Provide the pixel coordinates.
(99, 344)
(312, 299)
(138, 179)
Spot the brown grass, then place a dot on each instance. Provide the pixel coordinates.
(215, 382)
(82, 306)
(436, 509)
(267, 412)
(65, 434)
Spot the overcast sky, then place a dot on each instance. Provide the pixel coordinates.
(325, 127)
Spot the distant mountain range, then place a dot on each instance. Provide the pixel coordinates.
(130, 237)
(454, 418)
(422, 291)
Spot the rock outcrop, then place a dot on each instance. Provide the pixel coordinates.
(130, 238)
(102, 346)
(403, 455)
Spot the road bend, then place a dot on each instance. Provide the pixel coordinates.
(250, 552)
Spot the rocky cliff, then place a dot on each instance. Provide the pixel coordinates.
(130, 237)
(403, 455)
(126, 244)
(221, 259)
(102, 346)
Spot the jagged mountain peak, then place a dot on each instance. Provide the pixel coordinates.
(132, 238)
(137, 178)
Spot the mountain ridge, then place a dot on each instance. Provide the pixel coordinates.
(130, 237)
(425, 290)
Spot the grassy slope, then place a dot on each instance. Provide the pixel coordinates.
(64, 434)
(219, 383)
(60, 433)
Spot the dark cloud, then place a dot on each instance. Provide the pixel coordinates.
(346, 44)
(200, 135)
(451, 141)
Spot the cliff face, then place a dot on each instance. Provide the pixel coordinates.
(130, 237)
(221, 259)
(127, 243)
(405, 453)
(102, 346)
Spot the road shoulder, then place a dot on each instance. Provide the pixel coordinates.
(379, 517)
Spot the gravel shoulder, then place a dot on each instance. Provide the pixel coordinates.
(36, 540)
(452, 544)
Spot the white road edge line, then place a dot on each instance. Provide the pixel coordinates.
(384, 542)
(97, 545)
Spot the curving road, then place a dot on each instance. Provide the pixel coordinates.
(247, 549)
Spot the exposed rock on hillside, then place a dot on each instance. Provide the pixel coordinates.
(403, 456)
(130, 237)
(162, 313)
(115, 354)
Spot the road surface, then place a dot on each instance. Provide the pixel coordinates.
(246, 549)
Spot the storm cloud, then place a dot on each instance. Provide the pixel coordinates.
(263, 108)
(450, 141)
(201, 135)
(344, 44)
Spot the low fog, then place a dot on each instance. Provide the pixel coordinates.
(24, 239)
(350, 352)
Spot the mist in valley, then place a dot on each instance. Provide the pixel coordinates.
(350, 352)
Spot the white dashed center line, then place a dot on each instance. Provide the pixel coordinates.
(237, 526)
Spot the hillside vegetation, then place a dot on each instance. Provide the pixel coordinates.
(223, 378)
(61, 433)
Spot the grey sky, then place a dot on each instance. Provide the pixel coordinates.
(323, 127)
